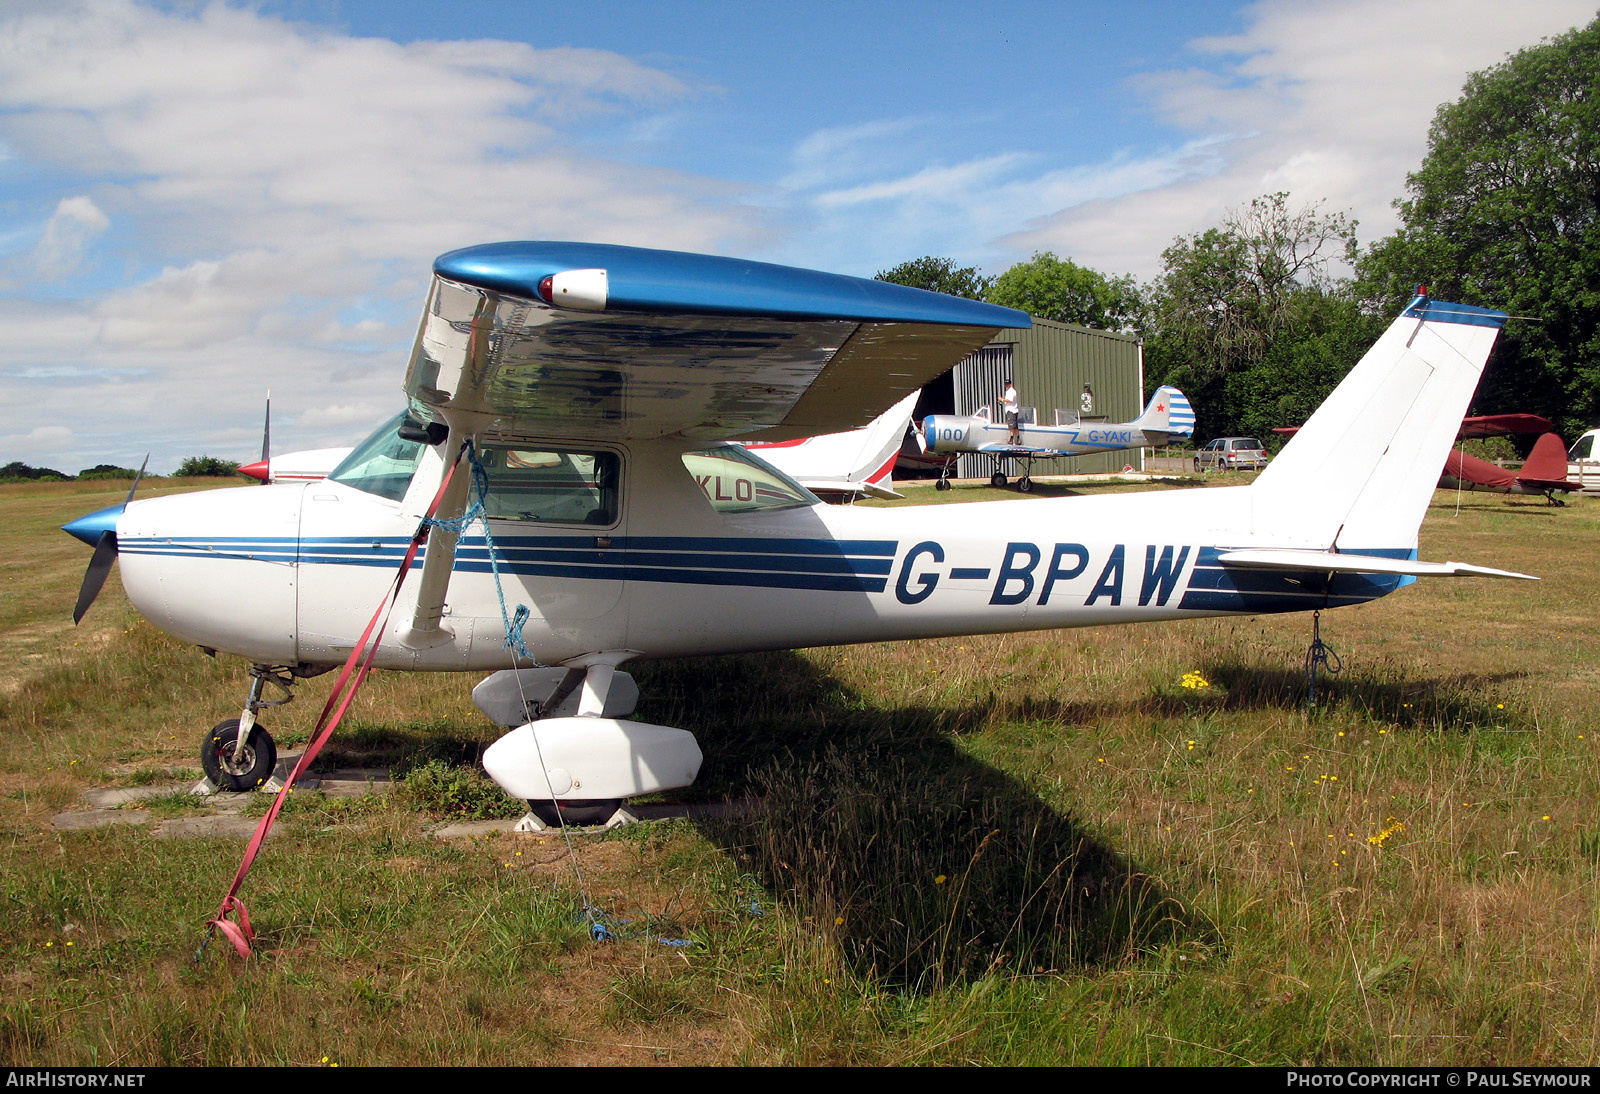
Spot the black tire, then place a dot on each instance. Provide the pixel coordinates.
(255, 768)
(942, 484)
(574, 813)
(998, 480)
(1197, 466)
(1025, 484)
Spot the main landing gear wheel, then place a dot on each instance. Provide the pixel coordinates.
(1197, 463)
(579, 814)
(250, 770)
(942, 484)
(997, 480)
(1025, 484)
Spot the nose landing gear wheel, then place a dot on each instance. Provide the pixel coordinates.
(250, 770)
(942, 484)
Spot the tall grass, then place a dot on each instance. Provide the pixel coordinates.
(1134, 871)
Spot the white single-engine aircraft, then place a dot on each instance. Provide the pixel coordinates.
(858, 461)
(592, 390)
(1167, 415)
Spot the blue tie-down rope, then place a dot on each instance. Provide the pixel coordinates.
(606, 928)
(513, 621)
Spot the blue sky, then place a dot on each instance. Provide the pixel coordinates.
(202, 201)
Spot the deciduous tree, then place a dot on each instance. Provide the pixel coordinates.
(1504, 212)
(1252, 318)
(938, 275)
(1060, 289)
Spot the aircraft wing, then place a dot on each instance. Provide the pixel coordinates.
(994, 448)
(1349, 562)
(601, 341)
(1498, 425)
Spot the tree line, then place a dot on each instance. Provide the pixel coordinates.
(1260, 316)
(192, 467)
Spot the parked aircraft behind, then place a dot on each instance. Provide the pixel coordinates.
(580, 399)
(1543, 473)
(834, 465)
(1168, 415)
(309, 465)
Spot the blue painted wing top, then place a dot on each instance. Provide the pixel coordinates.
(660, 343)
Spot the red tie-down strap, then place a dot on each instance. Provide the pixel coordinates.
(333, 712)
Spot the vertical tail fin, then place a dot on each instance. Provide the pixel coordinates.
(1360, 473)
(1167, 412)
(1548, 460)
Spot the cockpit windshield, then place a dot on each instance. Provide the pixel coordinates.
(383, 463)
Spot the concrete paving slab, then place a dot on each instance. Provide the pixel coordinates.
(111, 798)
(216, 826)
(226, 801)
(356, 782)
(468, 829)
(98, 818)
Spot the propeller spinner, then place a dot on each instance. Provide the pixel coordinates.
(99, 529)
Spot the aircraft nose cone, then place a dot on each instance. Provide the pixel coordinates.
(89, 528)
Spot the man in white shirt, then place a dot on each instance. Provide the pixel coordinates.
(1008, 405)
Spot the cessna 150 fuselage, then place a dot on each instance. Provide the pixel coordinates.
(598, 388)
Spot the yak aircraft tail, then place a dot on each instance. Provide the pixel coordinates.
(1359, 474)
(1169, 412)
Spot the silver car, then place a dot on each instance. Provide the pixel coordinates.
(1231, 454)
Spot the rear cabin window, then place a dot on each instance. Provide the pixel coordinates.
(551, 486)
(734, 481)
(382, 464)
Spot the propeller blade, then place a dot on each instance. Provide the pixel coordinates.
(105, 553)
(137, 476)
(266, 441)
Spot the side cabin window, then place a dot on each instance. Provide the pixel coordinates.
(1584, 448)
(551, 486)
(382, 464)
(735, 481)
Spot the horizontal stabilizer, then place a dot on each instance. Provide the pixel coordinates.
(850, 486)
(1348, 562)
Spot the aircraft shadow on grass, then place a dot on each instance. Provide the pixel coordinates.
(924, 864)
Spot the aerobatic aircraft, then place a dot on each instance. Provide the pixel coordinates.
(1167, 415)
(582, 399)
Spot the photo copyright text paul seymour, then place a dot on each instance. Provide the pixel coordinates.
(1463, 1078)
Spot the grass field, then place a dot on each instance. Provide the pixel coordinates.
(1026, 849)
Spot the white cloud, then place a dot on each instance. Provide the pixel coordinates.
(357, 416)
(41, 441)
(75, 222)
(1333, 99)
(1330, 100)
(279, 192)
